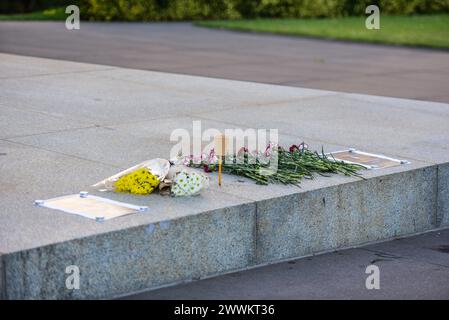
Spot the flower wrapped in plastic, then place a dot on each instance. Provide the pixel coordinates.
(142, 178)
(188, 183)
(140, 181)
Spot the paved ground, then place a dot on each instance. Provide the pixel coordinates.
(182, 48)
(410, 268)
(74, 124)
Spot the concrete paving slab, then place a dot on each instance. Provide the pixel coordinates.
(240, 225)
(234, 90)
(104, 103)
(11, 68)
(123, 151)
(155, 97)
(142, 140)
(18, 122)
(394, 128)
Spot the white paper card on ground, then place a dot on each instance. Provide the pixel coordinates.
(365, 159)
(91, 206)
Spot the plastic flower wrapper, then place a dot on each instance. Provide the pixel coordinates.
(188, 183)
(156, 167)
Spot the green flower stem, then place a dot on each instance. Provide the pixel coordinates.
(292, 167)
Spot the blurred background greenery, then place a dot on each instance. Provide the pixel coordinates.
(403, 22)
(169, 10)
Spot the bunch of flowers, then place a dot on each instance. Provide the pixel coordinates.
(207, 161)
(140, 181)
(188, 183)
(275, 164)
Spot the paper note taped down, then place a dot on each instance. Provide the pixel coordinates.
(90, 206)
(367, 160)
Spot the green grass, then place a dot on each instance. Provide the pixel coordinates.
(421, 31)
(55, 14)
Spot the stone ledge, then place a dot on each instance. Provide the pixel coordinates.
(346, 215)
(443, 195)
(2, 279)
(233, 238)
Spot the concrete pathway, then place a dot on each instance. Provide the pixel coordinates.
(410, 268)
(182, 48)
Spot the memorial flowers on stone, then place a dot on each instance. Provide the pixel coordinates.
(276, 164)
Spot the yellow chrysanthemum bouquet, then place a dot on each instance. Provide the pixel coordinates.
(143, 178)
(140, 181)
(156, 174)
